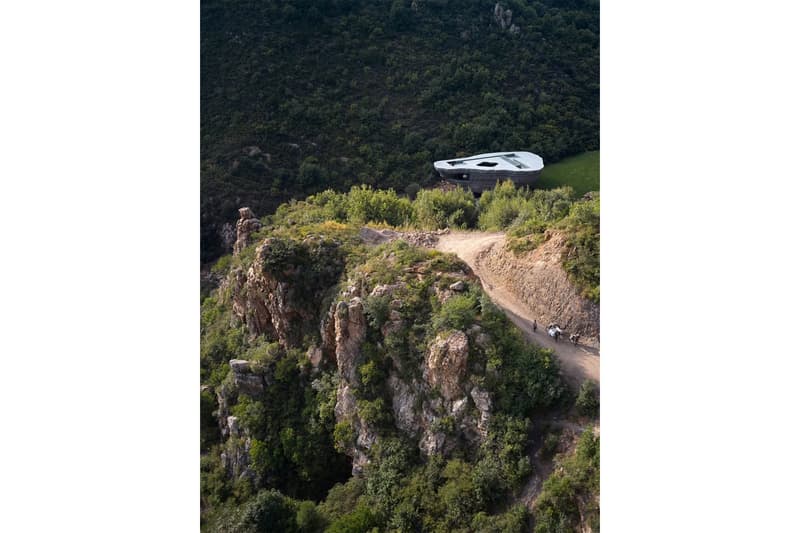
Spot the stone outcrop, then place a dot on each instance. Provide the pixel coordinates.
(458, 286)
(277, 294)
(351, 329)
(245, 226)
(441, 411)
(434, 398)
(246, 379)
(446, 364)
(235, 455)
(502, 18)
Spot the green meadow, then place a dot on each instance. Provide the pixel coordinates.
(581, 172)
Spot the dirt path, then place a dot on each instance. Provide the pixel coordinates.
(577, 362)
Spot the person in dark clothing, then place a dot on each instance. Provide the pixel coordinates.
(534, 326)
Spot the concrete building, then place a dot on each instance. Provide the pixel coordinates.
(482, 171)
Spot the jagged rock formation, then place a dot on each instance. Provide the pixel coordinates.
(435, 403)
(237, 443)
(503, 19)
(446, 364)
(434, 394)
(275, 296)
(246, 379)
(245, 226)
(538, 279)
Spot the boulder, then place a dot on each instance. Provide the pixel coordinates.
(458, 286)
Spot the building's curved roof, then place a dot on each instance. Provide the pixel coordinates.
(514, 161)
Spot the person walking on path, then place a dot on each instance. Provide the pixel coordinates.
(534, 326)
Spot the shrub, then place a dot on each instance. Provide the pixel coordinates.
(582, 262)
(377, 310)
(222, 265)
(588, 401)
(411, 190)
(268, 511)
(342, 498)
(499, 207)
(365, 204)
(373, 412)
(361, 520)
(515, 520)
(309, 519)
(458, 493)
(522, 211)
(333, 204)
(501, 213)
(311, 173)
(344, 436)
(391, 461)
(457, 312)
(569, 494)
(436, 209)
(550, 444)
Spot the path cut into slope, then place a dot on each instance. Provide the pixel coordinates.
(577, 362)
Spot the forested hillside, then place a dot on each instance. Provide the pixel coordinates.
(303, 95)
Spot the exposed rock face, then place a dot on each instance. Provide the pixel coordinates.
(484, 404)
(245, 379)
(314, 355)
(247, 224)
(538, 279)
(351, 329)
(277, 295)
(446, 364)
(503, 19)
(403, 398)
(440, 411)
(236, 456)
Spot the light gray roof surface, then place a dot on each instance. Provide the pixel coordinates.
(520, 161)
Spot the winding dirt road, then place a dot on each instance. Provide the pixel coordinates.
(577, 362)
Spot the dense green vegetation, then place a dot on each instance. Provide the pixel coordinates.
(336, 93)
(588, 400)
(571, 494)
(581, 172)
(529, 217)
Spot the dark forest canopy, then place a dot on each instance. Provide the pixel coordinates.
(299, 96)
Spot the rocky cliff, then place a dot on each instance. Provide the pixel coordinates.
(279, 294)
(325, 346)
(434, 403)
(429, 387)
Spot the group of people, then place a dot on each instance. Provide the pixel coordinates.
(555, 331)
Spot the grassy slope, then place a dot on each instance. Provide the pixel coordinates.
(581, 172)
